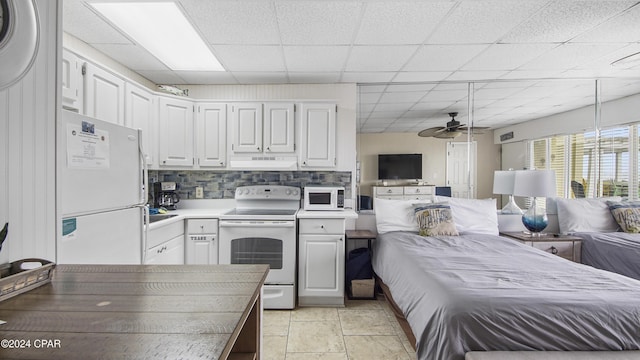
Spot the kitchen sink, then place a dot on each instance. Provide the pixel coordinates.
(158, 217)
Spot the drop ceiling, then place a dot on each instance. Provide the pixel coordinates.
(412, 60)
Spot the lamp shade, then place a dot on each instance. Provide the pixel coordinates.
(503, 182)
(532, 183)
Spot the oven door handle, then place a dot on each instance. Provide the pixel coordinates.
(270, 224)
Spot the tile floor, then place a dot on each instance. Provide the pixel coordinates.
(363, 329)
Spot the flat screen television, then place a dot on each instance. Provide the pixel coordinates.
(399, 166)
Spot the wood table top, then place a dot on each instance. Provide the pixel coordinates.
(131, 312)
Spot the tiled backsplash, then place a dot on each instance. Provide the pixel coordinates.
(222, 184)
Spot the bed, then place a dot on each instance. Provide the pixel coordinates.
(482, 292)
(605, 243)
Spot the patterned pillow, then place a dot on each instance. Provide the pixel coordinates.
(435, 219)
(627, 215)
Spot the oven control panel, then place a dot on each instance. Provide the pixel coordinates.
(274, 192)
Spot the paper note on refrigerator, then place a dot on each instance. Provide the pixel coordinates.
(87, 147)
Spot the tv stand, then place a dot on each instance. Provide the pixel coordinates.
(413, 192)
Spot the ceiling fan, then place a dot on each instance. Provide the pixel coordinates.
(452, 130)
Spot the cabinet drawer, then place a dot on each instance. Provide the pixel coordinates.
(418, 190)
(392, 190)
(159, 235)
(202, 226)
(322, 226)
(426, 198)
(561, 248)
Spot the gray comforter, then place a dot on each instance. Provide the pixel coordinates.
(614, 251)
(481, 292)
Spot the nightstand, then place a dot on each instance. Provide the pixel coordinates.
(566, 246)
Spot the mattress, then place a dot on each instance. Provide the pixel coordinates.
(483, 292)
(613, 251)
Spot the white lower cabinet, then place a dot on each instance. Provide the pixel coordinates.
(321, 262)
(202, 242)
(165, 244)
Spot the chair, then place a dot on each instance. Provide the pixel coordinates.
(443, 191)
(365, 202)
(578, 189)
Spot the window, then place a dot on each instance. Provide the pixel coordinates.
(614, 162)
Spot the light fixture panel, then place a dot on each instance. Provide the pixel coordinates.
(163, 30)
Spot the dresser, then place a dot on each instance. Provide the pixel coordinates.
(417, 192)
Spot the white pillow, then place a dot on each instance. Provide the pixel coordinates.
(395, 215)
(473, 216)
(586, 215)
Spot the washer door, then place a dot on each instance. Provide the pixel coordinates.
(18, 39)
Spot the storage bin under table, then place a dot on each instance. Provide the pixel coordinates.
(361, 289)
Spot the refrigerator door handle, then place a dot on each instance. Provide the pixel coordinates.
(145, 234)
(144, 189)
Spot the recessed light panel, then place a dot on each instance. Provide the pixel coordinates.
(163, 30)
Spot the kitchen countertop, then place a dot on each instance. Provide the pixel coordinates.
(338, 214)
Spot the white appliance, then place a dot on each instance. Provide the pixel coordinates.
(262, 230)
(328, 198)
(100, 194)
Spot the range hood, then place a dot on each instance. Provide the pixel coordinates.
(263, 163)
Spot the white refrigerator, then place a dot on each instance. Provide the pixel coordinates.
(100, 193)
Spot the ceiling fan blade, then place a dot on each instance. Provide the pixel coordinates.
(448, 134)
(455, 127)
(431, 131)
(475, 129)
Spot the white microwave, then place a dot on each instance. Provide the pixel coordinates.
(323, 198)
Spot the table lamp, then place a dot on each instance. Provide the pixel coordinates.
(535, 183)
(503, 184)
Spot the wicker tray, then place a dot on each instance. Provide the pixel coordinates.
(15, 281)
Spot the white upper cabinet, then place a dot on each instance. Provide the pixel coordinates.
(211, 135)
(104, 95)
(278, 131)
(176, 132)
(318, 135)
(263, 128)
(71, 81)
(140, 113)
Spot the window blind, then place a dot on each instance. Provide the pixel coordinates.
(614, 162)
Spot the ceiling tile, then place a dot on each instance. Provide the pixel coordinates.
(246, 77)
(84, 24)
(401, 97)
(560, 21)
(367, 76)
(379, 58)
(469, 23)
(621, 28)
(134, 56)
(317, 22)
(234, 22)
(250, 57)
(315, 58)
(369, 98)
(364, 88)
(406, 22)
(568, 56)
(410, 87)
(420, 76)
(475, 75)
(443, 57)
(314, 77)
(507, 56)
(162, 77)
(207, 77)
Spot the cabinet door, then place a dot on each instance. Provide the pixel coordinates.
(176, 132)
(279, 124)
(104, 95)
(168, 253)
(318, 135)
(211, 135)
(321, 263)
(202, 252)
(71, 81)
(140, 114)
(247, 126)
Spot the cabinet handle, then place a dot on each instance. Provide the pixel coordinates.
(321, 226)
(341, 238)
(221, 162)
(268, 148)
(554, 250)
(258, 148)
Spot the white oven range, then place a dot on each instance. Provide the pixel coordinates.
(262, 230)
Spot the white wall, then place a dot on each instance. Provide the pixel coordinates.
(433, 158)
(27, 159)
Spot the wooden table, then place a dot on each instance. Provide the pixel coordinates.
(138, 312)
